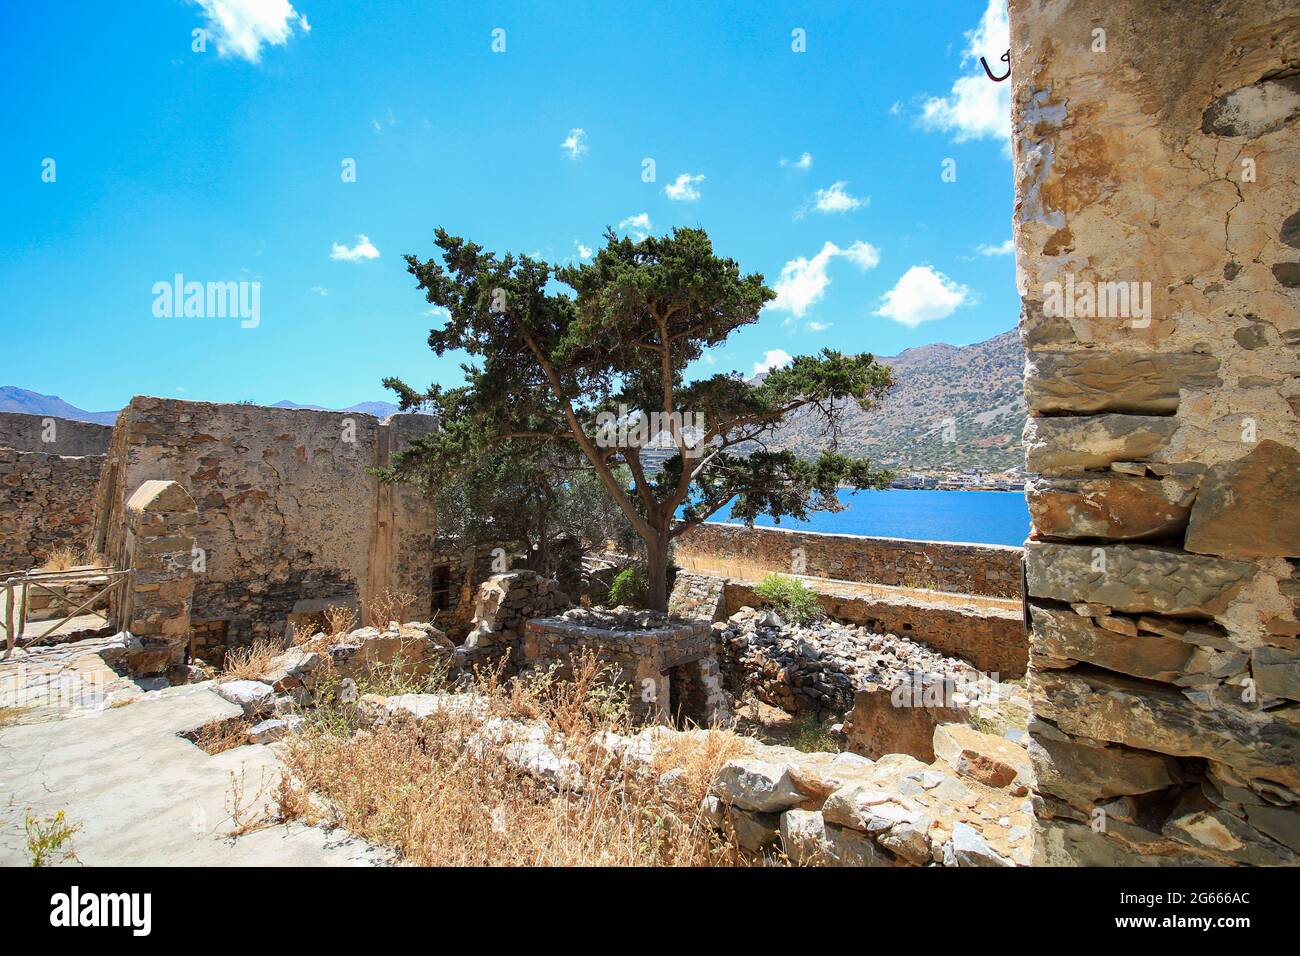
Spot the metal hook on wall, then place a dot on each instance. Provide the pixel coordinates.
(1006, 58)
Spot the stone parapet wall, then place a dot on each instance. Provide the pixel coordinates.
(289, 516)
(1157, 233)
(738, 551)
(53, 436)
(46, 503)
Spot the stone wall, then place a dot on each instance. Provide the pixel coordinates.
(46, 502)
(1155, 146)
(289, 518)
(737, 551)
(53, 436)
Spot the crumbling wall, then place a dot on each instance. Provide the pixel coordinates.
(287, 509)
(157, 546)
(52, 435)
(46, 502)
(1157, 224)
(741, 552)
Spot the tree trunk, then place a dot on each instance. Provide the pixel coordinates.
(657, 573)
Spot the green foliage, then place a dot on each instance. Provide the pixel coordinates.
(548, 366)
(629, 588)
(791, 599)
(813, 736)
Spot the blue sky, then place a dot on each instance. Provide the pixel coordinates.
(226, 165)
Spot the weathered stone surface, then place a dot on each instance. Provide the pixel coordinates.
(971, 849)
(253, 696)
(1276, 672)
(1056, 445)
(1114, 507)
(1082, 771)
(1061, 636)
(1249, 507)
(754, 831)
(885, 720)
(757, 785)
(1254, 110)
(993, 761)
(1129, 578)
(1138, 383)
(1256, 743)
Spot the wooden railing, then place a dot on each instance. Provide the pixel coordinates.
(16, 586)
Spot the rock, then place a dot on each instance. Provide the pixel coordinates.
(991, 760)
(1055, 445)
(1276, 672)
(755, 830)
(970, 849)
(756, 785)
(803, 838)
(538, 760)
(294, 668)
(1117, 508)
(850, 848)
(1250, 507)
(268, 731)
(1061, 637)
(909, 840)
(900, 720)
(1254, 110)
(421, 706)
(1130, 578)
(1144, 716)
(1083, 772)
(865, 807)
(1089, 381)
(254, 697)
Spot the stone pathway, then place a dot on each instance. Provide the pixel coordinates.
(105, 750)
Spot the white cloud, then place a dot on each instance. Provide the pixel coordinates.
(817, 326)
(683, 188)
(803, 162)
(584, 252)
(803, 282)
(320, 290)
(363, 249)
(576, 143)
(775, 358)
(976, 107)
(833, 199)
(920, 295)
(638, 226)
(1004, 248)
(241, 27)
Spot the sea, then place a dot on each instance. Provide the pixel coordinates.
(978, 517)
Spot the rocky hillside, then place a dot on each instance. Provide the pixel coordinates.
(975, 389)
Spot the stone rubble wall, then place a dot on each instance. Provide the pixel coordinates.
(992, 639)
(46, 503)
(503, 604)
(737, 551)
(160, 523)
(51, 435)
(1165, 655)
(289, 517)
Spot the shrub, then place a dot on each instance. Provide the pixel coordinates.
(791, 599)
(630, 587)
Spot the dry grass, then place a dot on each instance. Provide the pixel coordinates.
(339, 620)
(250, 661)
(416, 787)
(218, 736)
(389, 605)
(61, 559)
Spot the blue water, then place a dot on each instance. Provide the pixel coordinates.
(980, 517)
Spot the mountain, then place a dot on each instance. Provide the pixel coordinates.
(380, 410)
(14, 399)
(975, 389)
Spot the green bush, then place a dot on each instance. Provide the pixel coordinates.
(791, 599)
(630, 587)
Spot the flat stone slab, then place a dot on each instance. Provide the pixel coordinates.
(144, 796)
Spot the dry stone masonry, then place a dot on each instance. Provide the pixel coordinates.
(1156, 146)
